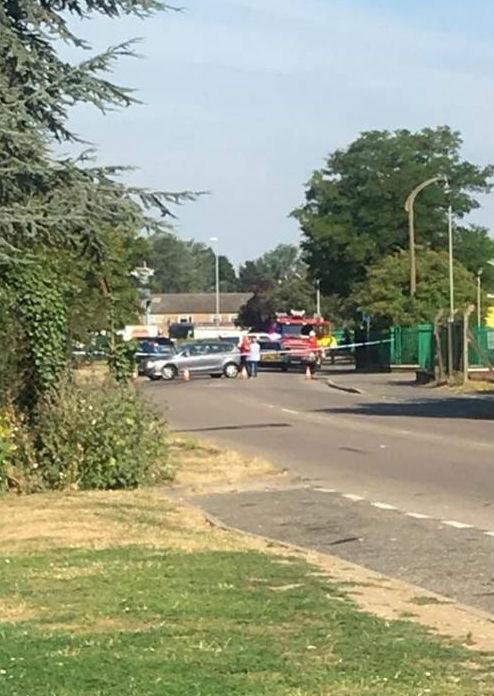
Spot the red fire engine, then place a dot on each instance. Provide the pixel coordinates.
(295, 330)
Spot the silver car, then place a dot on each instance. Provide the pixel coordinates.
(215, 358)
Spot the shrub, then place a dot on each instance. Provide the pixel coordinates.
(18, 464)
(103, 437)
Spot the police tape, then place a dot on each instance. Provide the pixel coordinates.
(289, 351)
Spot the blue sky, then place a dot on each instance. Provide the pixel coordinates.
(246, 97)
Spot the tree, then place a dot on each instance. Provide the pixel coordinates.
(258, 313)
(228, 275)
(275, 266)
(385, 295)
(354, 209)
(475, 248)
(67, 216)
(292, 294)
(186, 266)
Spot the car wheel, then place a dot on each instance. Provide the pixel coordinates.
(231, 370)
(169, 372)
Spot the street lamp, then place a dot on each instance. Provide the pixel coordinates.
(451, 318)
(215, 240)
(447, 190)
(409, 203)
(318, 298)
(143, 274)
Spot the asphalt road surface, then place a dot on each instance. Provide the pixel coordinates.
(399, 479)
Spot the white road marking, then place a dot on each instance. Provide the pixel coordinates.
(268, 405)
(383, 506)
(456, 525)
(415, 515)
(289, 410)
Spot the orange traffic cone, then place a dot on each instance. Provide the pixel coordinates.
(243, 373)
(186, 375)
(308, 373)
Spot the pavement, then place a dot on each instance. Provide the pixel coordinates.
(398, 478)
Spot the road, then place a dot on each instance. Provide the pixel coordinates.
(399, 479)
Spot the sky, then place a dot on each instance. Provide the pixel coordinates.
(245, 98)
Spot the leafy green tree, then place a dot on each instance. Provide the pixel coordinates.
(275, 266)
(385, 295)
(475, 249)
(354, 209)
(258, 313)
(292, 294)
(228, 275)
(186, 265)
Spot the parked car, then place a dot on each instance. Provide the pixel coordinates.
(272, 355)
(215, 358)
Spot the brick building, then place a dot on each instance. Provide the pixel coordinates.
(195, 308)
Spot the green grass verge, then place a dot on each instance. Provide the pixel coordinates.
(143, 621)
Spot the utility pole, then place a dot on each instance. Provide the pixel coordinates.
(466, 317)
(479, 297)
(409, 203)
(216, 279)
(451, 317)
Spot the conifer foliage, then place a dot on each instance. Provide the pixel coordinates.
(62, 207)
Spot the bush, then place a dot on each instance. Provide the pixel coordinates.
(93, 437)
(18, 465)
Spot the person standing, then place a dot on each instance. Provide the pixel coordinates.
(244, 351)
(253, 357)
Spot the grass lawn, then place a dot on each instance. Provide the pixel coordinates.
(125, 594)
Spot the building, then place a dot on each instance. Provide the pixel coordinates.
(195, 308)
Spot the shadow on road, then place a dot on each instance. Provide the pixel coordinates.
(254, 426)
(480, 408)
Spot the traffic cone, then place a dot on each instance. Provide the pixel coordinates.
(308, 373)
(186, 375)
(243, 373)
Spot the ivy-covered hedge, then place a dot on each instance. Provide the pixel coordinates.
(91, 437)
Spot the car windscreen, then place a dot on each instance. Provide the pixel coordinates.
(270, 345)
(154, 348)
(290, 329)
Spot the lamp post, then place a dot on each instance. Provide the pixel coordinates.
(451, 316)
(409, 203)
(215, 240)
(143, 274)
(318, 298)
(479, 297)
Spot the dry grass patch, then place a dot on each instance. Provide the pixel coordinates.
(102, 519)
(14, 609)
(199, 464)
(92, 373)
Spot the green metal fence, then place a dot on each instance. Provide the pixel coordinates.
(413, 346)
(481, 348)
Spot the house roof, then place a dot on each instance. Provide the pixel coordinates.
(198, 303)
